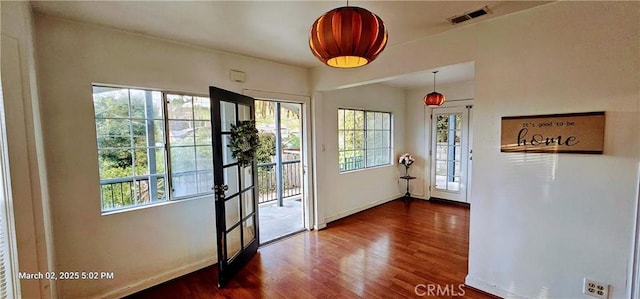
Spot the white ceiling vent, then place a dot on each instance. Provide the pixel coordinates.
(469, 15)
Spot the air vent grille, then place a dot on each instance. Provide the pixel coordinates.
(469, 15)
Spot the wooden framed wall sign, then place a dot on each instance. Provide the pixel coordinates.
(581, 133)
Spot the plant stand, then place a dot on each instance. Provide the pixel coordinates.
(407, 178)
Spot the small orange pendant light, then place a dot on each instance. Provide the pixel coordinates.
(434, 99)
(347, 37)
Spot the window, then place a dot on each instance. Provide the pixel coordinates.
(364, 139)
(189, 120)
(137, 132)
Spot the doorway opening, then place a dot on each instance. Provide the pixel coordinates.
(451, 153)
(280, 169)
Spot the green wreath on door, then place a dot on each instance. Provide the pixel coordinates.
(244, 141)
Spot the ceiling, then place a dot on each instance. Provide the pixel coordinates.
(274, 30)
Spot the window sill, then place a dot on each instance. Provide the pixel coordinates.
(156, 204)
(364, 169)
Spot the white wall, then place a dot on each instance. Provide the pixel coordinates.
(25, 147)
(418, 129)
(342, 194)
(540, 223)
(145, 246)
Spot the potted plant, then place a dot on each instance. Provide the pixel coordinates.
(406, 160)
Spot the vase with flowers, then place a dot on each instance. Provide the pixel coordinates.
(406, 160)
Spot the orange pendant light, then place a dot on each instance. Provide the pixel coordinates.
(434, 99)
(347, 37)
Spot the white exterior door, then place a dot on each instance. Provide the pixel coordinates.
(450, 153)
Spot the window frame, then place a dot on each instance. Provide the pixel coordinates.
(166, 175)
(365, 130)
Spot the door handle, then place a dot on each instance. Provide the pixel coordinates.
(220, 191)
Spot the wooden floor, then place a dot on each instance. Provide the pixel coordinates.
(384, 252)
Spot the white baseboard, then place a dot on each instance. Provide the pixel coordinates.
(320, 226)
(138, 286)
(361, 208)
(490, 288)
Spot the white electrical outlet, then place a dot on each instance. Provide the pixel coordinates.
(595, 289)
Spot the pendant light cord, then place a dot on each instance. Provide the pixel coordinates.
(434, 81)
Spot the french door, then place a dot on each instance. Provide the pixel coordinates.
(235, 192)
(450, 153)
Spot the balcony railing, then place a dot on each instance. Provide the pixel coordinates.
(132, 191)
(291, 180)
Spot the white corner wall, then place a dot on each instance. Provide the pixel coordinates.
(146, 246)
(541, 223)
(25, 149)
(342, 194)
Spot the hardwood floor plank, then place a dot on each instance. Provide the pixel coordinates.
(383, 252)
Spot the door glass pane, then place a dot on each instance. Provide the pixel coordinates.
(441, 167)
(458, 153)
(441, 181)
(247, 177)
(227, 115)
(247, 202)
(232, 210)
(249, 230)
(441, 152)
(244, 112)
(231, 179)
(458, 137)
(227, 157)
(454, 184)
(233, 243)
(456, 169)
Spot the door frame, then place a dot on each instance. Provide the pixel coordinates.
(307, 159)
(428, 145)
